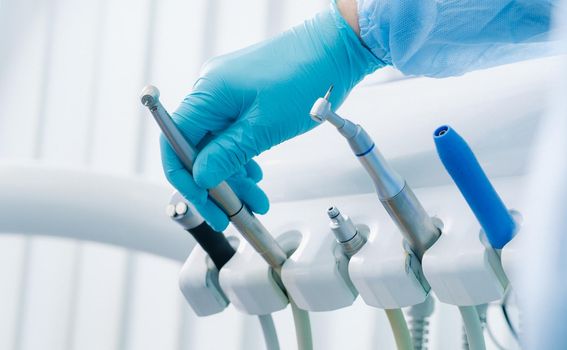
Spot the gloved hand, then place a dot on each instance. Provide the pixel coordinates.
(247, 101)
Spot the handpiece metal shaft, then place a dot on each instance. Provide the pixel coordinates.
(244, 221)
(397, 197)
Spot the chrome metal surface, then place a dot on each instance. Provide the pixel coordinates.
(341, 225)
(345, 232)
(413, 221)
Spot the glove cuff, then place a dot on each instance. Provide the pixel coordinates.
(355, 45)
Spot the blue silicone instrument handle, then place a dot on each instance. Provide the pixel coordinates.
(461, 163)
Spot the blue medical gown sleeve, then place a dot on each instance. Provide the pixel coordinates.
(441, 38)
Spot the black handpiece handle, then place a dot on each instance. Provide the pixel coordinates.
(214, 243)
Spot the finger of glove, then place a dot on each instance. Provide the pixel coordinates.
(254, 171)
(250, 193)
(251, 170)
(225, 155)
(179, 177)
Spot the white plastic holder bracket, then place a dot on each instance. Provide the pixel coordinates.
(461, 267)
(199, 283)
(512, 253)
(250, 283)
(385, 274)
(316, 274)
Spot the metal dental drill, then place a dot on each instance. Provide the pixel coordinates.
(213, 243)
(396, 196)
(245, 222)
(345, 232)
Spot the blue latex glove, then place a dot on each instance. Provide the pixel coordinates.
(250, 100)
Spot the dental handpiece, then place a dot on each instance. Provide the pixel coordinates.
(213, 243)
(394, 193)
(461, 163)
(244, 221)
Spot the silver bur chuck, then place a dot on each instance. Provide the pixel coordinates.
(345, 232)
(397, 197)
(244, 221)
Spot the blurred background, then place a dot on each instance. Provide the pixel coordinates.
(70, 74)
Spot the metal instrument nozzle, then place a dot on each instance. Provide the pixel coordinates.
(345, 232)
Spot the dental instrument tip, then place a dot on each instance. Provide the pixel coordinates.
(321, 111)
(342, 226)
(333, 212)
(149, 96)
(440, 131)
(328, 94)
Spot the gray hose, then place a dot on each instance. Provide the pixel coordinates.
(473, 328)
(399, 328)
(302, 327)
(481, 309)
(269, 331)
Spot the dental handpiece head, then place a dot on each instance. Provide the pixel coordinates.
(215, 244)
(345, 232)
(396, 196)
(321, 111)
(150, 96)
